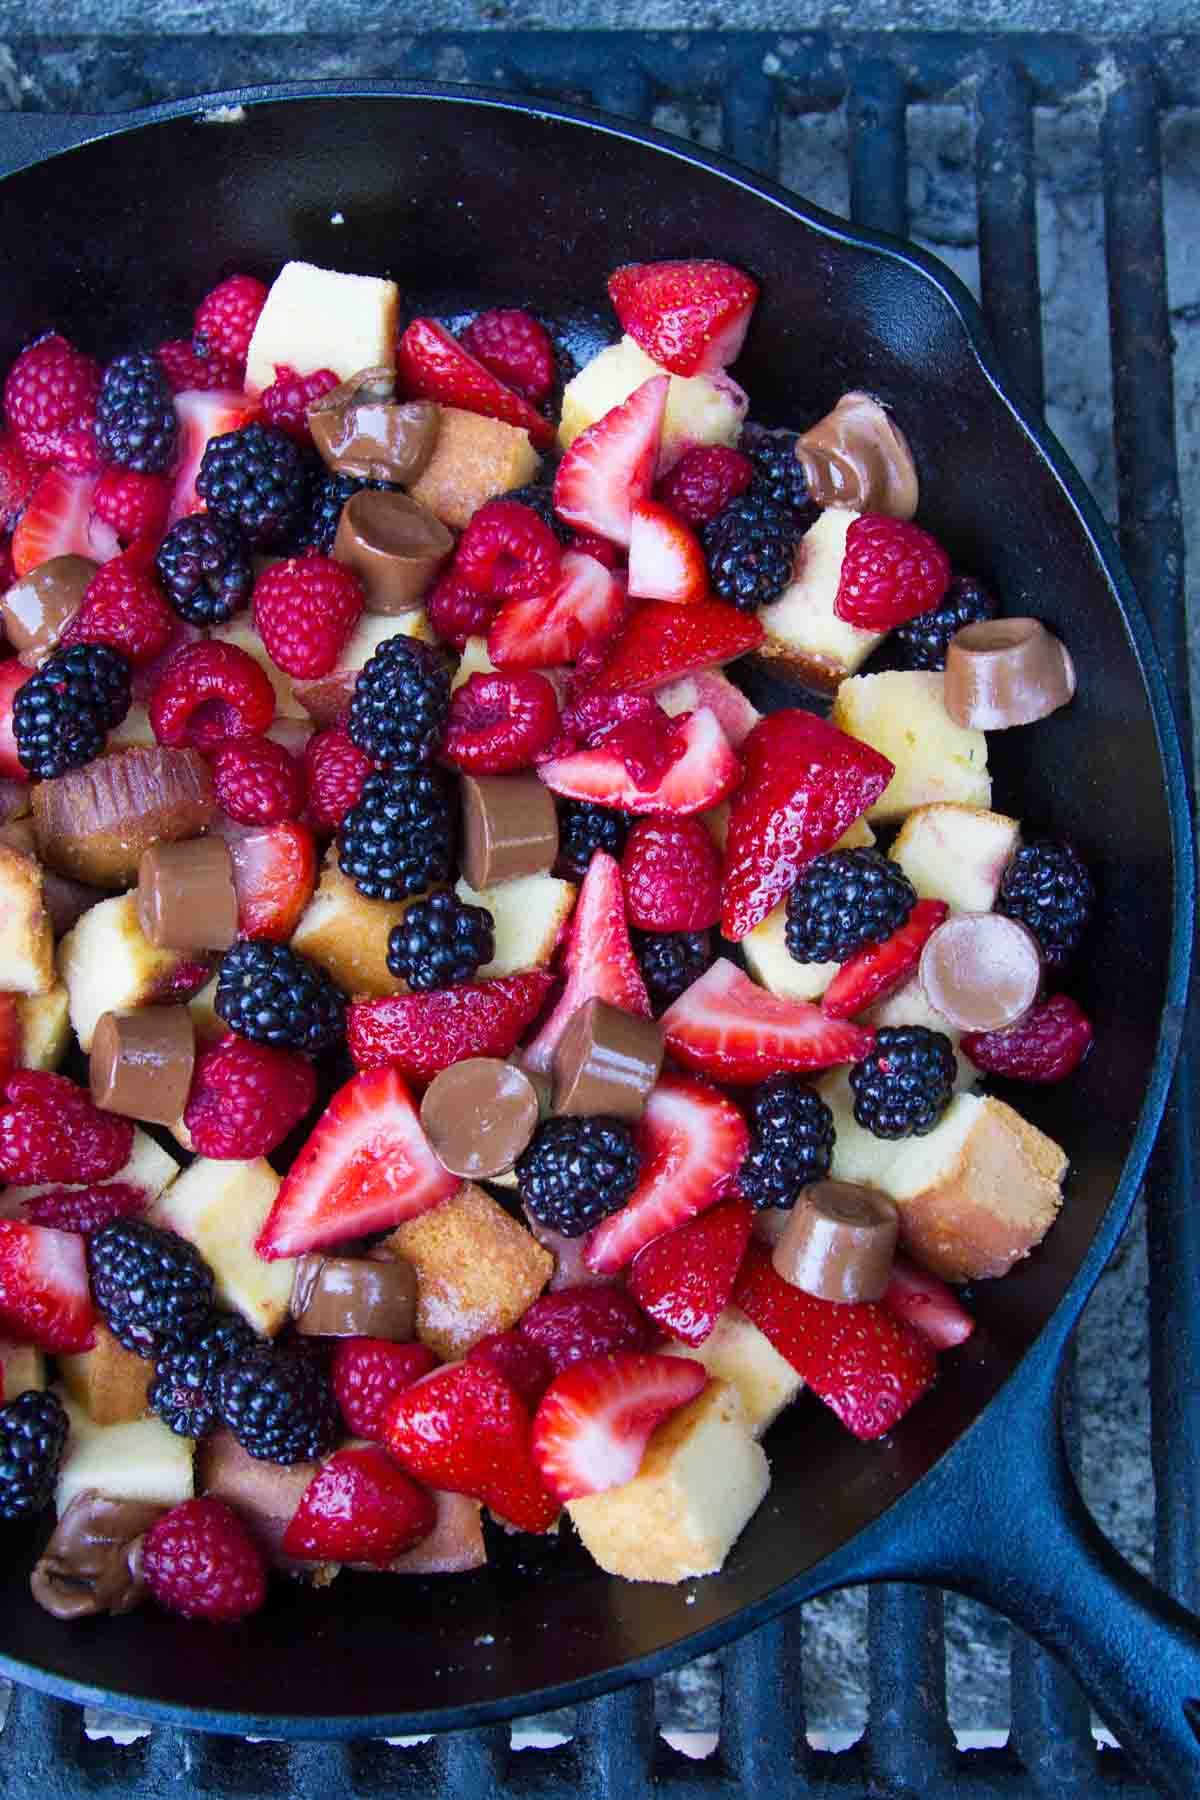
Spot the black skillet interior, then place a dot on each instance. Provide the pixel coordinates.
(465, 201)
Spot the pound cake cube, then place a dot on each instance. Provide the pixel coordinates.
(142, 1459)
(45, 1023)
(26, 934)
(701, 409)
(323, 319)
(529, 917)
(805, 638)
(109, 966)
(956, 853)
(477, 1269)
(346, 934)
(149, 1167)
(701, 1479)
(221, 1207)
(902, 714)
(108, 1381)
(203, 1008)
(22, 1366)
(736, 1351)
(474, 459)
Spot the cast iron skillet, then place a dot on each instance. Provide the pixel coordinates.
(469, 197)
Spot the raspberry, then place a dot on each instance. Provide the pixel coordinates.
(588, 543)
(1047, 1045)
(50, 1131)
(185, 979)
(335, 769)
(369, 1372)
(892, 571)
(456, 611)
(209, 692)
(50, 403)
(704, 481)
(305, 609)
(672, 876)
(135, 505)
(286, 402)
(516, 348)
(508, 553)
(257, 782)
(226, 317)
(200, 1560)
(85, 1209)
(188, 372)
(523, 1364)
(575, 1324)
(500, 722)
(17, 481)
(124, 609)
(246, 1097)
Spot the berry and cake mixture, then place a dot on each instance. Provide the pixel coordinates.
(367, 712)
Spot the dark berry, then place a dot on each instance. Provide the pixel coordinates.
(1047, 887)
(149, 1284)
(576, 1171)
(440, 942)
(204, 566)
(904, 1085)
(400, 704)
(750, 548)
(136, 423)
(670, 961)
(791, 1141)
(329, 493)
(399, 839)
(843, 901)
(257, 478)
(267, 993)
(778, 474)
(62, 715)
(33, 1436)
(584, 828)
(923, 642)
(183, 1392)
(541, 499)
(279, 1404)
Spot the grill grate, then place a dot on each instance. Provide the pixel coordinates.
(756, 80)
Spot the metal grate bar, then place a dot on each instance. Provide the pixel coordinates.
(1008, 252)
(624, 88)
(909, 1737)
(875, 109)
(762, 1708)
(750, 121)
(617, 1738)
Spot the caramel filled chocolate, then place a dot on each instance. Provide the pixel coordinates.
(394, 545)
(93, 1563)
(361, 429)
(186, 896)
(37, 609)
(981, 971)
(141, 1063)
(1005, 672)
(606, 1061)
(510, 828)
(839, 1242)
(479, 1115)
(348, 1296)
(857, 456)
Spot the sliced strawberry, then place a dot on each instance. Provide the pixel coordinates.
(932, 1309)
(44, 1294)
(12, 674)
(691, 1140)
(422, 1034)
(727, 1027)
(11, 1037)
(58, 521)
(598, 960)
(610, 467)
(662, 642)
(708, 687)
(684, 1279)
(703, 770)
(366, 1166)
(806, 783)
(878, 970)
(431, 365)
(203, 414)
(359, 1507)
(595, 1420)
(274, 873)
(691, 317)
(666, 561)
(585, 604)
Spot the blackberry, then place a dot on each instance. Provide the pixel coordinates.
(399, 838)
(670, 961)
(136, 423)
(902, 1088)
(1047, 887)
(791, 1142)
(149, 1284)
(750, 546)
(577, 1171)
(279, 1403)
(584, 828)
(33, 1436)
(204, 566)
(541, 501)
(778, 475)
(183, 1392)
(440, 942)
(843, 901)
(269, 994)
(401, 699)
(257, 478)
(924, 641)
(62, 715)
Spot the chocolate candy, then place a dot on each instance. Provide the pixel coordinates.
(479, 1115)
(186, 896)
(37, 609)
(981, 971)
(510, 828)
(856, 456)
(606, 1061)
(839, 1242)
(1005, 672)
(93, 1563)
(347, 1296)
(394, 545)
(141, 1062)
(360, 429)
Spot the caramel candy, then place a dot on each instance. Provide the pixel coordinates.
(141, 1063)
(981, 971)
(37, 609)
(479, 1115)
(348, 1296)
(1005, 672)
(510, 828)
(94, 823)
(856, 456)
(839, 1242)
(394, 545)
(361, 429)
(186, 896)
(93, 1563)
(606, 1061)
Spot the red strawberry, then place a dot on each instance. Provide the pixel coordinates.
(806, 782)
(879, 969)
(692, 1140)
(590, 718)
(12, 1037)
(590, 543)
(928, 1305)
(59, 521)
(727, 1027)
(366, 1166)
(1047, 1045)
(576, 1324)
(465, 1430)
(685, 1278)
(522, 1363)
(703, 482)
(666, 561)
(203, 414)
(691, 317)
(662, 641)
(584, 604)
(516, 348)
(368, 1373)
(702, 771)
(892, 571)
(12, 674)
(598, 961)
(44, 1294)
(610, 466)
(708, 687)
(275, 873)
(672, 875)
(593, 1425)
(421, 1034)
(359, 1507)
(431, 365)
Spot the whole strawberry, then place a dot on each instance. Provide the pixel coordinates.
(199, 1560)
(367, 1375)
(50, 403)
(286, 402)
(50, 1131)
(257, 782)
(672, 876)
(124, 608)
(334, 770)
(226, 317)
(359, 1507)
(246, 1097)
(516, 348)
(304, 610)
(892, 572)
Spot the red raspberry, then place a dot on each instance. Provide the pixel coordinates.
(134, 505)
(455, 611)
(200, 1560)
(368, 1373)
(185, 979)
(285, 403)
(246, 1097)
(704, 481)
(85, 1208)
(588, 543)
(892, 571)
(359, 1507)
(123, 607)
(578, 1323)
(508, 552)
(257, 782)
(188, 372)
(209, 692)
(672, 876)
(1047, 1045)
(226, 317)
(516, 348)
(50, 1131)
(17, 482)
(50, 403)
(335, 769)
(500, 722)
(305, 609)
(523, 1364)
